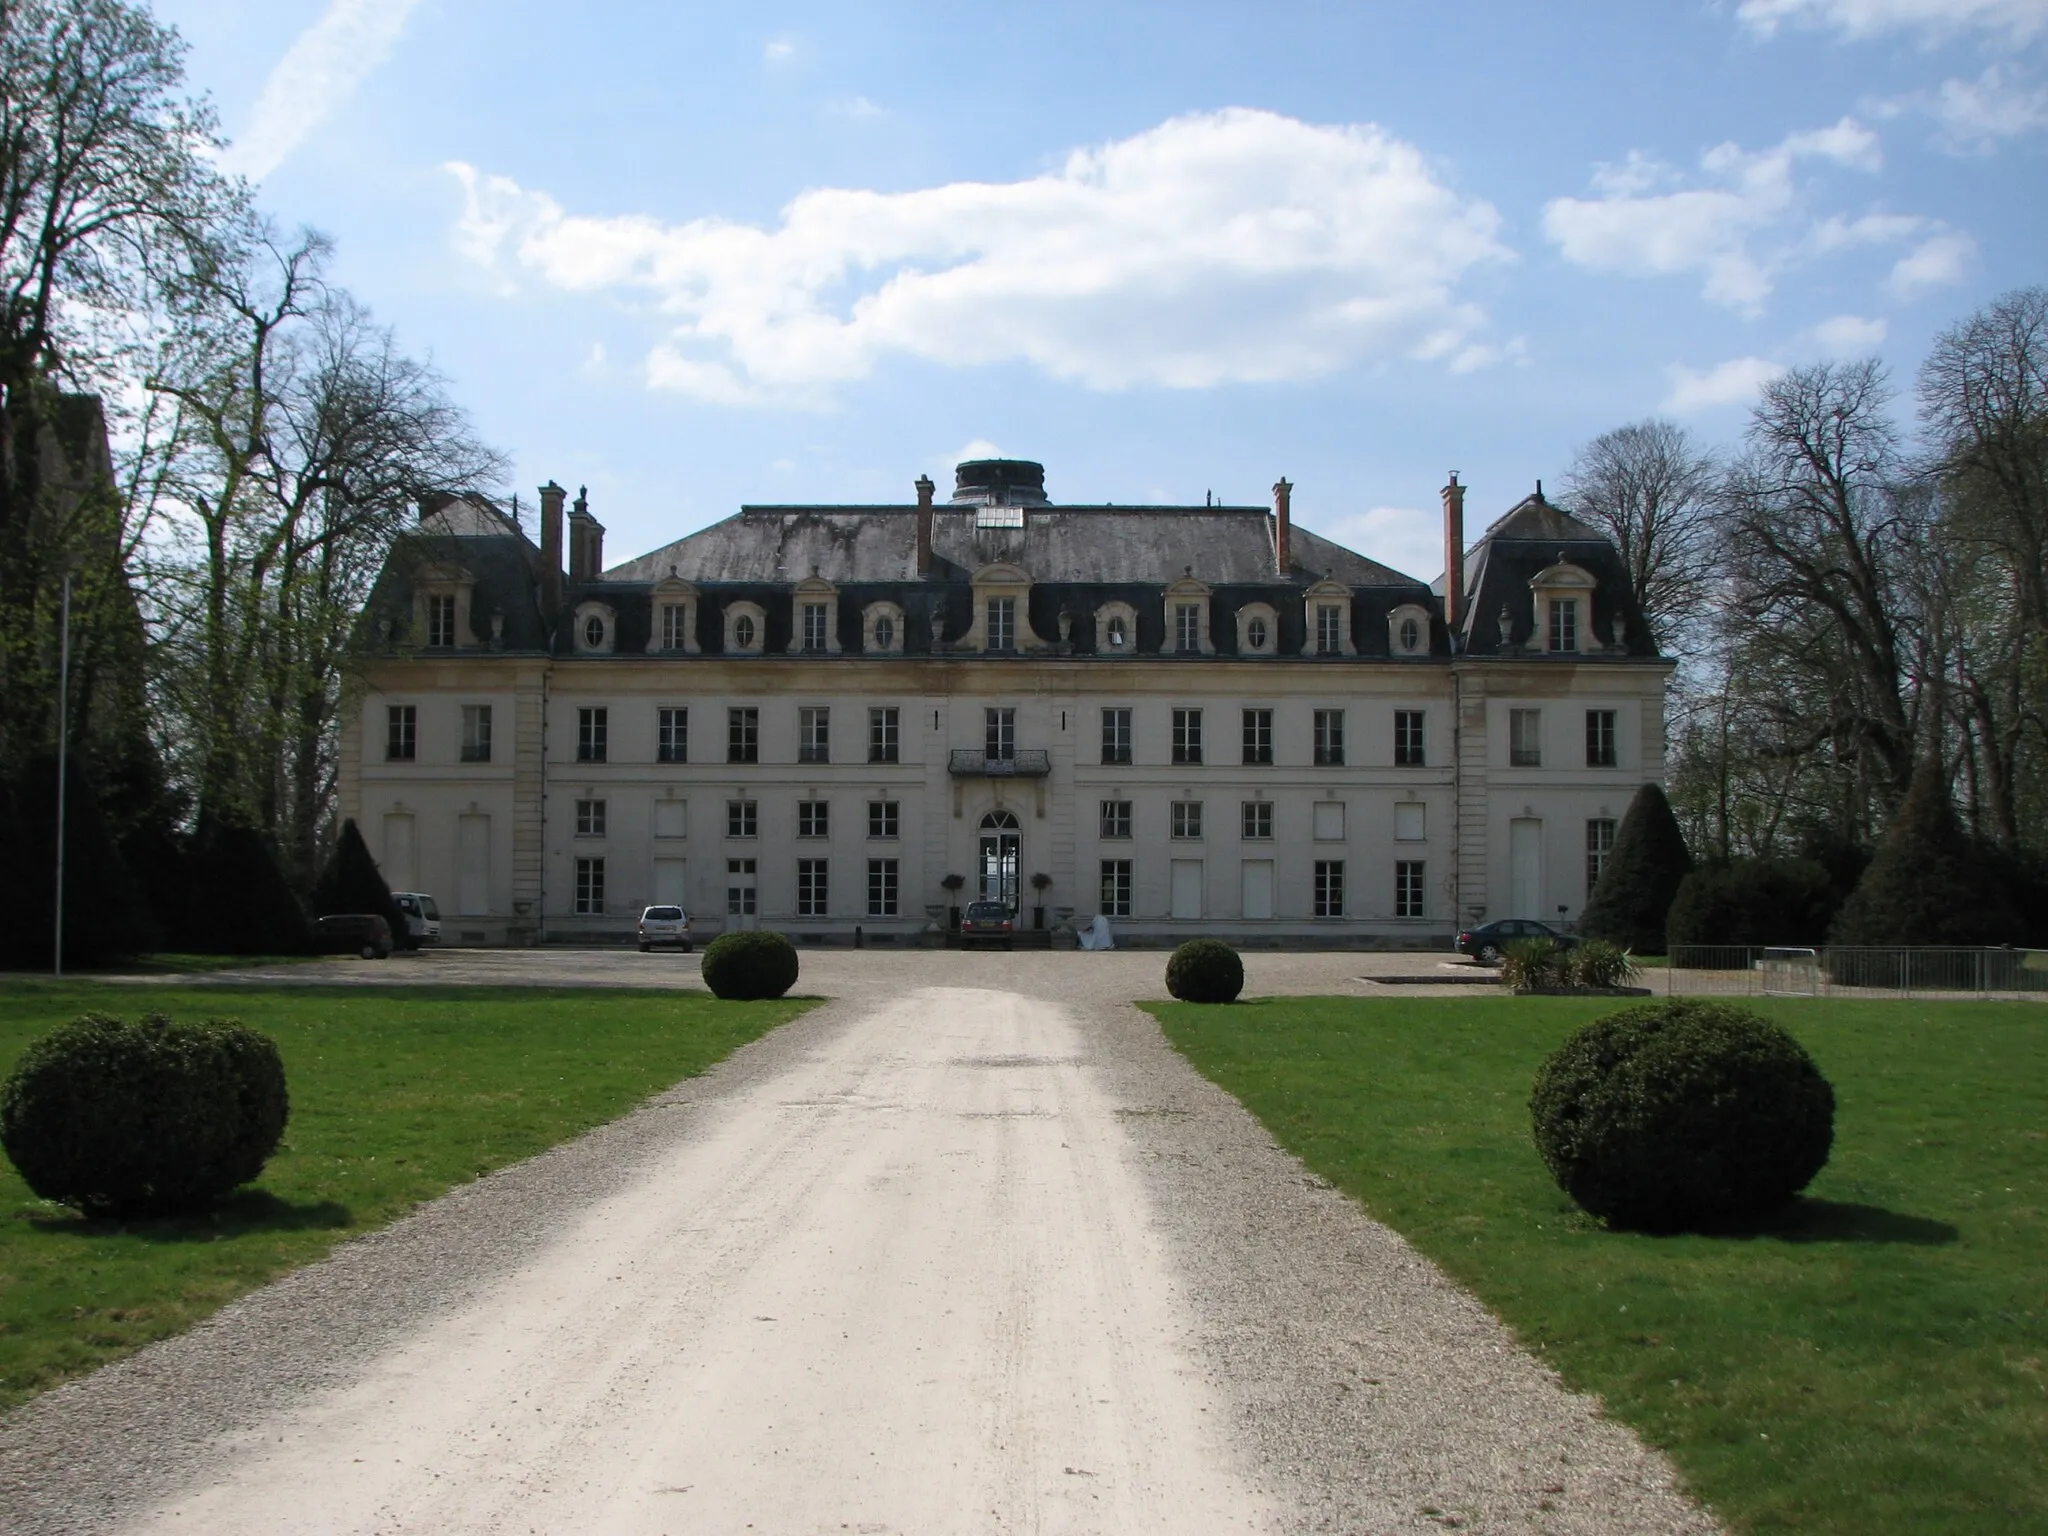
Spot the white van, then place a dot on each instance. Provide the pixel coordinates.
(422, 918)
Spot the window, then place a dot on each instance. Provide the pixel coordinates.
(1407, 738)
(814, 626)
(814, 734)
(1327, 819)
(814, 818)
(593, 732)
(476, 733)
(590, 818)
(883, 818)
(675, 630)
(1187, 627)
(1187, 735)
(1599, 843)
(1329, 887)
(882, 883)
(1258, 821)
(811, 887)
(1002, 624)
(589, 887)
(1525, 738)
(1329, 738)
(1118, 635)
(671, 735)
(1329, 629)
(1255, 634)
(593, 632)
(1258, 736)
(1116, 887)
(999, 735)
(885, 633)
(441, 620)
(739, 888)
(401, 733)
(742, 818)
(1408, 887)
(743, 734)
(1564, 623)
(1185, 818)
(1409, 635)
(1599, 738)
(883, 729)
(743, 632)
(1116, 818)
(1116, 735)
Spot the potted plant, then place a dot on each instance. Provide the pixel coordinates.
(1039, 882)
(952, 883)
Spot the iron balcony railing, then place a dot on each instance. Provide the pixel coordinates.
(966, 763)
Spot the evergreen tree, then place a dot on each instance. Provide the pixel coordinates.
(237, 901)
(1753, 901)
(1927, 884)
(106, 914)
(351, 882)
(1644, 869)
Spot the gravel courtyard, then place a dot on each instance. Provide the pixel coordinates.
(968, 1248)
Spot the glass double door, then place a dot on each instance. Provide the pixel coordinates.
(1001, 840)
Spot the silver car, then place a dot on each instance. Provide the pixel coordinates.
(664, 925)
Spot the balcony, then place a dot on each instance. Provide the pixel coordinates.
(966, 763)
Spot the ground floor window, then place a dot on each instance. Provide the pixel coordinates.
(881, 887)
(1116, 887)
(739, 888)
(1599, 843)
(810, 887)
(1408, 888)
(589, 887)
(1329, 887)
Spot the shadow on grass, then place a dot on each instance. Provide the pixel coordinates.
(244, 1212)
(1840, 1221)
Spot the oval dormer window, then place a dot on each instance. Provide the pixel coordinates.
(1116, 634)
(1255, 633)
(743, 632)
(593, 632)
(885, 634)
(1411, 635)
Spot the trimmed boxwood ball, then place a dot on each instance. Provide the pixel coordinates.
(745, 966)
(1682, 1115)
(146, 1119)
(1205, 971)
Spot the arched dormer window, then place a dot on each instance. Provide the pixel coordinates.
(882, 629)
(673, 618)
(1116, 630)
(1187, 618)
(1564, 608)
(1408, 630)
(1258, 630)
(1326, 607)
(814, 618)
(596, 629)
(1002, 617)
(746, 629)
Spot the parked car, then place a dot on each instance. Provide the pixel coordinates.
(987, 922)
(422, 918)
(353, 933)
(1485, 944)
(664, 925)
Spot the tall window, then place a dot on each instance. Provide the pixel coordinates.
(1187, 627)
(1116, 887)
(1258, 821)
(1329, 888)
(1002, 624)
(1408, 738)
(593, 734)
(589, 887)
(884, 817)
(1599, 738)
(671, 735)
(1115, 819)
(743, 734)
(999, 735)
(742, 818)
(1258, 736)
(1329, 738)
(1525, 738)
(739, 888)
(1116, 735)
(814, 626)
(675, 633)
(814, 734)
(1185, 818)
(1599, 844)
(811, 888)
(590, 818)
(882, 884)
(1116, 635)
(1408, 887)
(1329, 629)
(1564, 623)
(441, 620)
(814, 818)
(401, 733)
(1187, 735)
(882, 735)
(476, 733)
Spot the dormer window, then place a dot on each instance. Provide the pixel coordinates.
(883, 628)
(746, 628)
(1408, 631)
(743, 632)
(593, 633)
(1326, 612)
(885, 633)
(1258, 630)
(1563, 598)
(1564, 624)
(1256, 635)
(1329, 627)
(1119, 637)
(1187, 626)
(674, 626)
(595, 628)
(1409, 635)
(1002, 624)
(441, 620)
(442, 601)
(814, 626)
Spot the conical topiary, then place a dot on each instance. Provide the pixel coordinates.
(351, 882)
(1643, 872)
(1926, 885)
(238, 900)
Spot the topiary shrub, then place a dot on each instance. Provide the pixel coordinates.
(1681, 1115)
(749, 965)
(1640, 878)
(351, 882)
(1527, 964)
(1926, 884)
(146, 1119)
(1205, 971)
(1753, 902)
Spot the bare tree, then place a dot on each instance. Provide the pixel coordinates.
(1651, 488)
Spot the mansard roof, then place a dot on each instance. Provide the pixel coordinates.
(1519, 546)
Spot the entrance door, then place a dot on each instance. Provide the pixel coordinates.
(1000, 840)
(1525, 866)
(671, 882)
(472, 865)
(1187, 887)
(741, 908)
(1258, 888)
(400, 862)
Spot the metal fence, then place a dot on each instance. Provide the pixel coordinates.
(1741, 970)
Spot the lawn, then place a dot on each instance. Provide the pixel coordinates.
(397, 1094)
(1876, 1363)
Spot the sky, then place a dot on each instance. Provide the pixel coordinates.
(697, 256)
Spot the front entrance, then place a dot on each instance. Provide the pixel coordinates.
(1000, 840)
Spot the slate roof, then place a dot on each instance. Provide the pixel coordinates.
(1529, 537)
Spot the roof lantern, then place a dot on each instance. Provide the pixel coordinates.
(999, 483)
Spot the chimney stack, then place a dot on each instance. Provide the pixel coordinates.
(586, 539)
(924, 525)
(551, 498)
(1454, 552)
(1283, 528)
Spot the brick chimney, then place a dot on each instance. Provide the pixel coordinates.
(551, 498)
(1454, 552)
(586, 539)
(1283, 528)
(924, 525)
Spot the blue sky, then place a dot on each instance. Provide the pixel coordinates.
(697, 255)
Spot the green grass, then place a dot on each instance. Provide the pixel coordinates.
(397, 1094)
(1877, 1363)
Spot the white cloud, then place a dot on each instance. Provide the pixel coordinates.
(318, 73)
(1937, 262)
(855, 106)
(1410, 541)
(1734, 382)
(1223, 247)
(2015, 21)
(777, 49)
(975, 448)
(1846, 335)
(1971, 116)
(1739, 229)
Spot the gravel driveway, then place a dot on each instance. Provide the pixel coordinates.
(967, 1249)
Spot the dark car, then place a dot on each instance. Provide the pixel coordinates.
(987, 922)
(1485, 944)
(353, 933)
